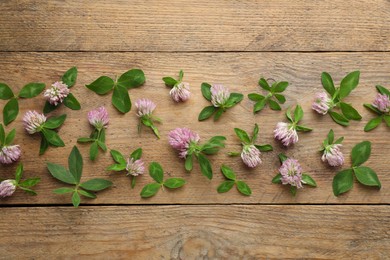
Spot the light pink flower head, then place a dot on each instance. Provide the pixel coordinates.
(322, 103)
(98, 117)
(7, 188)
(333, 155)
(219, 95)
(291, 172)
(182, 139)
(33, 121)
(145, 107)
(250, 155)
(180, 92)
(286, 133)
(135, 167)
(382, 103)
(56, 94)
(9, 154)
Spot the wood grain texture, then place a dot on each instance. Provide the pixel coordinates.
(197, 232)
(240, 72)
(180, 25)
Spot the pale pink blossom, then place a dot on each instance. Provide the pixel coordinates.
(180, 92)
(250, 155)
(382, 103)
(286, 133)
(9, 154)
(291, 172)
(183, 139)
(333, 155)
(7, 188)
(219, 95)
(57, 93)
(145, 107)
(135, 167)
(33, 121)
(98, 117)
(322, 103)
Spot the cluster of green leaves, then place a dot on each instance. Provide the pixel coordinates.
(157, 173)
(330, 140)
(11, 109)
(73, 176)
(121, 163)
(171, 82)
(225, 186)
(348, 83)
(69, 78)
(27, 183)
(208, 111)
(212, 146)
(373, 123)
(306, 179)
(149, 121)
(97, 139)
(294, 119)
(49, 136)
(246, 140)
(6, 139)
(343, 180)
(120, 97)
(273, 97)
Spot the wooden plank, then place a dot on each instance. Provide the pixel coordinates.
(240, 72)
(279, 25)
(189, 232)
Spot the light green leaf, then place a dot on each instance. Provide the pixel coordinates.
(342, 182)
(63, 190)
(29, 182)
(338, 118)
(10, 137)
(260, 105)
(242, 135)
(93, 151)
(174, 183)
(206, 112)
(327, 83)
(150, 190)
(169, 81)
(264, 84)
(55, 121)
(10, 111)
(360, 153)
(298, 113)
(243, 188)
(367, 176)
(373, 123)
(96, 184)
(75, 164)
(274, 105)
(117, 167)
(156, 172)
(189, 162)
(205, 166)
(277, 178)
(206, 92)
(71, 102)
(280, 98)
(225, 186)
(87, 194)
(264, 147)
(60, 173)
(349, 83)
(280, 87)
(49, 107)
(76, 199)
(383, 90)
(70, 77)
(282, 157)
(19, 172)
(349, 112)
(102, 85)
(255, 97)
(308, 180)
(5, 92)
(52, 138)
(118, 157)
(133, 78)
(31, 90)
(121, 99)
(136, 154)
(387, 119)
(228, 172)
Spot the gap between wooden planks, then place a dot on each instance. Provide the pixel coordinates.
(240, 72)
(179, 25)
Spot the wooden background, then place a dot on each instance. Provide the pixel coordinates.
(228, 42)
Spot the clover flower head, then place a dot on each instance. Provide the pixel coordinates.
(98, 117)
(250, 155)
(57, 93)
(9, 154)
(219, 95)
(180, 92)
(145, 107)
(322, 103)
(291, 172)
(333, 155)
(286, 133)
(382, 103)
(135, 167)
(182, 139)
(33, 121)
(7, 188)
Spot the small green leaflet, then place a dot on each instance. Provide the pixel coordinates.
(26, 184)
(227, 185)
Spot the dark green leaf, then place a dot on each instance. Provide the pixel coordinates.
(133, 78)
(70, 77)
(174, 183)
(76, 199)
(373, 123)
(133, 180)
(10, 137)
(338, 118)
(29, 191)
(306, 179)
(44, 145)
(243, 188)
(189, 162)
(234, 153)
(373, 109)
(102, 85)
(102, 135)
(117, 167)
(280, 87)
(260, 105)
(255, 133)
(71, 102)
(156, 172)
(228, 172)
(206, 112)
(349, 112)
(255, 97)
(274, 105)
(298, 114)
(52, 138)
(367, 176)
(60, 173)
(293, 190)
(218, 114)
(205, 166)
(96, 184)
(383, 90)
(87, 194)
(206, 92)
(121, 99)
(2, 134)
(181, 75)
(360, 153)
(170, 82)
(63, 190)
(349, 83)
(118, 157)
(280, 98)
(264, 148)
(330, 136)
(31, 90)
(242, 135)
(225, 186)
(55, 121)
(150, 190)
(340, 140)
(264, 84)
(10, 111)
(102, 145)
(288, 115)
(387, 119)
(49, 107)
(19, 172)
(29, 182)
(93, 151)
(234, 99)
(5, 92)
(85, 140)
(277, 178)
(327, 83)
(75, 164)
(136, 155)
(213, 145)
(282, 157)
(301, 128)
(342, 182)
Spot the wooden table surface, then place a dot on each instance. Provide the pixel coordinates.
(228, 42)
